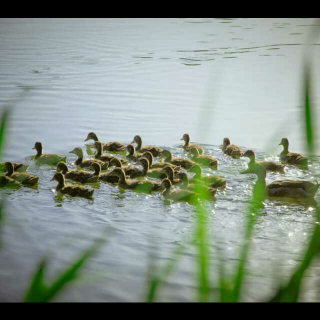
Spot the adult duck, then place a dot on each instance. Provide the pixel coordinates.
(205, 191)
(87, 163)
(180, 195)
(268, 165)
(22, 177)
(231, 149)
(71, 190)
(293, 189)
(136, 185)
(156, 151)
(182, 162)
(187, 145)
(291, 157)
(46, 158)
(107, 146)
(205, 160)
(78, 176)
(104, 157)
(214, 181)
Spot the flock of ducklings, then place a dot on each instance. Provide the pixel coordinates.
(168, 171)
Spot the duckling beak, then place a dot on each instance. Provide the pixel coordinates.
(87, 139)
(280, 144)
(53, 179)
(71, 151)
(33, 147)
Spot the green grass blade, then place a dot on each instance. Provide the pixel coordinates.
(3, 125)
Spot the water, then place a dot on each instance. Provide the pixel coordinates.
(212, 78)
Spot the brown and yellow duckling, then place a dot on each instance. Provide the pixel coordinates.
(104, 157)
(180, 195)
(107, 146)
(187, 145)
(152, 173)
(171, 175)
(231, 149)
(156, 151)
(78, 176)
(136, 185)
(17, 166)
(8, 182)
(132, 154)
(22, 177)
(156, 165)
(87, 163)
(106, 177)
(71, 190)
(204, 159)
(268, 165)
(46, 158)
(182, 162)
(130, 171)
(293, 189)
(291, 157)
(213, 181)
(207, 192)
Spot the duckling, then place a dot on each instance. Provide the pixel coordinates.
(187, 146)
(294, 189)
(79, 176)
(87, 163)
(73, 191)
(46, 158)
(129, 171)
(18, 167)
(207, 192)
(133, 155)
(107, 146)
(182, 162)
(181, 195)
(214, 181)
(268, 165)
(136, 185)
(6, 181)
(22, 177)
(153, 173)
(104, 158)
(106, 177)
(157, 165)
(231, 149)
(169, 173)
(205, 160)
(140, 148)
(291, 157)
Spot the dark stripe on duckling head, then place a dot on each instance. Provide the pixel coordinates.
(92, 136)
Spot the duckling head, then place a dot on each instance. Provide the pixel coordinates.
(226, 142)
(137, 139)
(92, 136)
(168, 171)
(196, 169)
(284, 142)
(149, 156)
(145, 163)
(186, 138)
(9, 167)
(77, 151)
(58, 176)
(166, 183)
(166, 154)
(96, 167)
(131, 149)
(119, 172)
(38, 148)
(98, 146)
(194, 152)
(115, 162)
(62, 167)
(249, 154)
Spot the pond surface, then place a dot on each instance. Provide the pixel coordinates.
(158, 78)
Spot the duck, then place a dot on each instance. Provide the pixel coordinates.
(156, 151)
(180, 195)
(231, 149)
(214, 181)
(107, 146)
(187, 146)
(156, 165)
(205, 160)
(169, 173)
(129, 171)
(104, 157)
(8, 182)
(136, 185)
(207, 192)
(106, 177)
(293, 189)
(132, 154)
(152, 173)
(46, 158)
(182, 162)
(268, 165)
(78, 176)
(87, 163)
(71, 190)
(22, 177)
(18, 167)
(291, 157)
